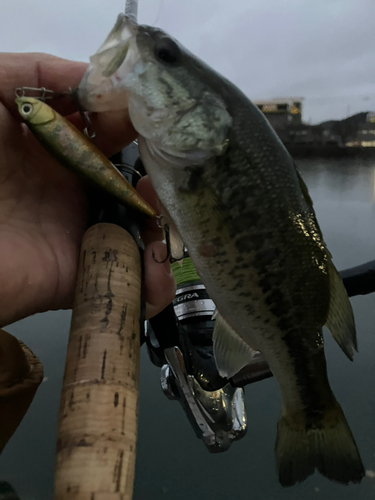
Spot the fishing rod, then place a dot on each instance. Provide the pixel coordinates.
(97, 429)
(359, 280)
(96, 443)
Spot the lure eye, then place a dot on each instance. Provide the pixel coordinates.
(167, 51)
(27, 109)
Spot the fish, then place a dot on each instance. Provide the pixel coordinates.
(246, 217)
(76, 152)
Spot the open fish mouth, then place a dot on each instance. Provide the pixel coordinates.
(107, 68)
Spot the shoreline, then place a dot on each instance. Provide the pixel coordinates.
(329, 151)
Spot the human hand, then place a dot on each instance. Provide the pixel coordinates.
(43, 206)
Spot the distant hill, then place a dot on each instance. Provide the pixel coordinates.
(348, 128)
(357, 119)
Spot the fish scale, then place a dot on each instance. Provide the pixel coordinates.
(245, 215)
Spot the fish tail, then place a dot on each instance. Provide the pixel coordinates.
(323, 442)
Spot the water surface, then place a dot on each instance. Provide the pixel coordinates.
(172, 464)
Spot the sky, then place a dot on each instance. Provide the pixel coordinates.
(322, 50)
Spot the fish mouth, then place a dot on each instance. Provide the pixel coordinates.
(102, 79)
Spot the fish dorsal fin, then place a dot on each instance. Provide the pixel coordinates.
(308, 200)
(230, 351)
(303, 187)
(340, 319)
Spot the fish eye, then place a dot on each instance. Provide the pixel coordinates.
(167, 51)
(26, 108)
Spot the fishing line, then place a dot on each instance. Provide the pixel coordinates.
(131, 10)
(185, 273)
(158, 13)
(129, 168)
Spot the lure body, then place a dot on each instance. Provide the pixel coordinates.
(74, 150)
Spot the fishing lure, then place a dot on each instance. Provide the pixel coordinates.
(76, 152)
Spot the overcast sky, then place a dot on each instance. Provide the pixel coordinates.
(323, 50)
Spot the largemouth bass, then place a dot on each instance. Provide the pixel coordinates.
(245, 215)
(74, 150)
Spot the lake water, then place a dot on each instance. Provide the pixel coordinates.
(172, 464)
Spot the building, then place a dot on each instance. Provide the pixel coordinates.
(285, 117)
(283, 113)
(366, 132)
(282, 110)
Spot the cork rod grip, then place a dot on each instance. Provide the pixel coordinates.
(96, 445)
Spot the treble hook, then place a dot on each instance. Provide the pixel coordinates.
(88, 130)
(44, 93)
(167, 237)
(165, 227)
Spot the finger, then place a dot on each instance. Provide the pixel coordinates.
(113, 130)
(160, 285)
(145, 189)
(39, 70)
(151, 231)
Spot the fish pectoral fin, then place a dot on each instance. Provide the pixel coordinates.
(340, 319)
(230, 351)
